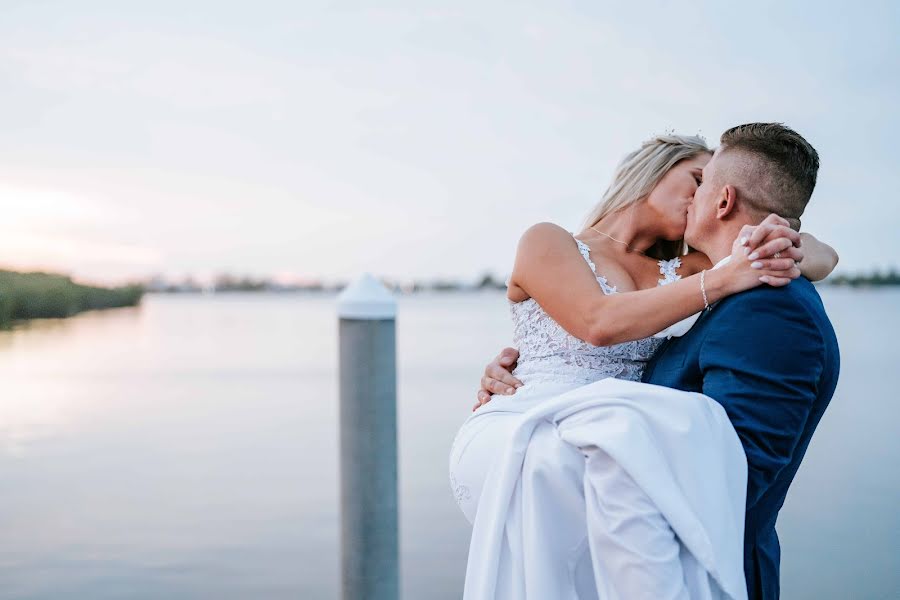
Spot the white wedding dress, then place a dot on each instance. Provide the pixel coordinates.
(587, 484)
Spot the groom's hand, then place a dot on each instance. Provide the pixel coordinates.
(498, 377)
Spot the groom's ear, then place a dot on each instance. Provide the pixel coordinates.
(727, 202)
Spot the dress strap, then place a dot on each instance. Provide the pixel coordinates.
(586, 253)
(667, 268)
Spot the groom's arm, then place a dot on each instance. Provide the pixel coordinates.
(498, 378)
(762, 360)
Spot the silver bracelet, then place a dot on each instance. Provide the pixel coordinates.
(703, 288)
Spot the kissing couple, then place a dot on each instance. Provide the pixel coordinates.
(672, 360)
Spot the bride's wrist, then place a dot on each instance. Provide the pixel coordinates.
(716, 285)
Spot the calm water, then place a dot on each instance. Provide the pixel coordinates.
(188, 449)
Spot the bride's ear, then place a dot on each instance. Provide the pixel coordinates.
(727, 202)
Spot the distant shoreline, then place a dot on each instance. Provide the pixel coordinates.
(486, 283)
(38, 295)
(26, 296)
(891, 278)
(461, 291)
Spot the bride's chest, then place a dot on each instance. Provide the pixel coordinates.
(627, 274)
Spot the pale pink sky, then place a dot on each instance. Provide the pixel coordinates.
(305, 140)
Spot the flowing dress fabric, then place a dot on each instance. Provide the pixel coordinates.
(587, 484)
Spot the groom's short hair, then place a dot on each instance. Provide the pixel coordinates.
(776, 168)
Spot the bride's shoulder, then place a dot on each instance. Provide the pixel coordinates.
(545, 235)
(693, 262)
(546, 229)
(542, 246)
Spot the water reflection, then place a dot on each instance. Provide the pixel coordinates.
(188, 449)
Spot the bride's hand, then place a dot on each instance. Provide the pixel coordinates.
(767, 253)
(772, 243)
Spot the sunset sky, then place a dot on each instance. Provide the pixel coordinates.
(317, 139)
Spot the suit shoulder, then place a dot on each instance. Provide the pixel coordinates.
(797, 294)
(797, 302)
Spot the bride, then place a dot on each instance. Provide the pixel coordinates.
(597, 305)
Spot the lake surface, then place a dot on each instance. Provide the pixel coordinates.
(188, 448)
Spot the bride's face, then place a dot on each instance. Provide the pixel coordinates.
(674, 193)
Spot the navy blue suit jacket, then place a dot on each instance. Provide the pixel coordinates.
(769, 356)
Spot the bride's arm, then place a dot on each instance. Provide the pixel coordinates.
(550, 269)
(819, 259)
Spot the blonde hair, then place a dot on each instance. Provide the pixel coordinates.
(639, 172)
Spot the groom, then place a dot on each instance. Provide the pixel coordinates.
(769, 355)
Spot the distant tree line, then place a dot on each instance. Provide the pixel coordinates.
(231, 283)
(46, 295)
(876, 279)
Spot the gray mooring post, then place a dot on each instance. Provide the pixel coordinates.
(370, 563)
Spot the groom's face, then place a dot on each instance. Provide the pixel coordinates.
(701, 216)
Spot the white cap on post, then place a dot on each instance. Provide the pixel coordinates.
(366, 299)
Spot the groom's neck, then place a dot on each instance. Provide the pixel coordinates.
(719, 245)
(718, 252)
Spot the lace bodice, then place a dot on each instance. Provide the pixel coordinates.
(547, 352)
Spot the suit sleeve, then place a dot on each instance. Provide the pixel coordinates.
(762, 362)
